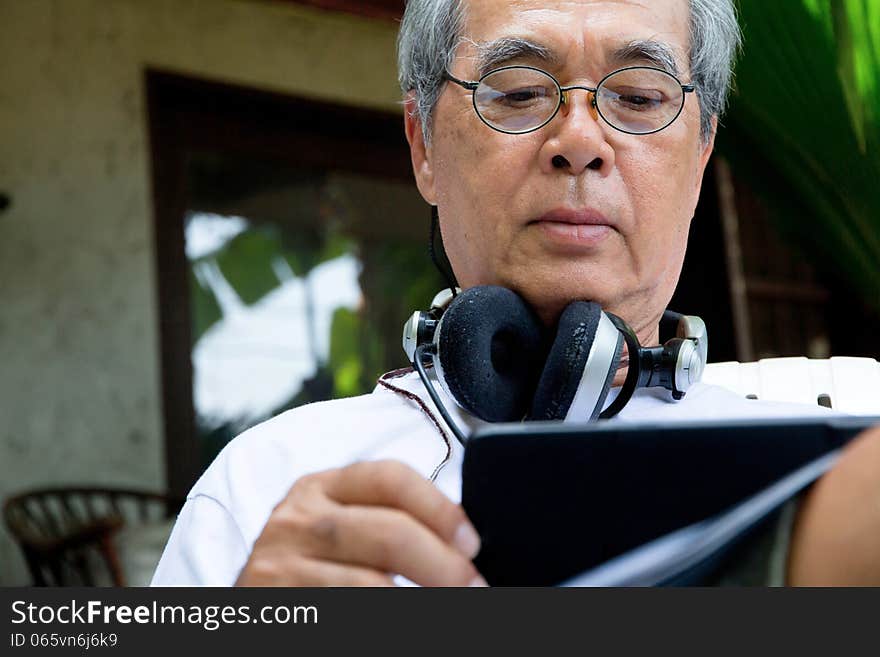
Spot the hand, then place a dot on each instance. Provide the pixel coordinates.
(357, 525)
(836, 538)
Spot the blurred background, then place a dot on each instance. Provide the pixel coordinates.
(208, 216)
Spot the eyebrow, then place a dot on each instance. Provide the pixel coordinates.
(497, 53)
(657, 53)
(494, 54)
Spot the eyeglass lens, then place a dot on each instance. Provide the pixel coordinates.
(636, 100)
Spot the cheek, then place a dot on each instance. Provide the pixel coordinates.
(481, 173)
(660, 181)
(458, 161)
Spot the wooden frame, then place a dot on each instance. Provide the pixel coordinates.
(187, 116)
(386, 9)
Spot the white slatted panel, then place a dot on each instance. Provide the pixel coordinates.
(785, 380)
(853, 384)
(727, 375)
(751, 382)
(856, 385)
(823, 382)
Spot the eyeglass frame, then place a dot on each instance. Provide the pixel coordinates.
(472, 86)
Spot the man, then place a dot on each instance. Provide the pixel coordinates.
(564, 145)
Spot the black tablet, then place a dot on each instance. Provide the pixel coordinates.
(551, 500)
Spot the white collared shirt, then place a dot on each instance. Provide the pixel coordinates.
(226, 510)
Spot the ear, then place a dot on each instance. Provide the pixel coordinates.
(420, 152)
(707, 150)
(703, 160)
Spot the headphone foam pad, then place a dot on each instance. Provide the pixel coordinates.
(491, 349)
(575, 333)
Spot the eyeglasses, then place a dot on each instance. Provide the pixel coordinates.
(638, 100)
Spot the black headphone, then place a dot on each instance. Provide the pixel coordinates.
(499, 363)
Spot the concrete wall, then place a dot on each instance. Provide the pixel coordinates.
(79, 365)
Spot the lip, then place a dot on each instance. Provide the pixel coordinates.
(584, 227)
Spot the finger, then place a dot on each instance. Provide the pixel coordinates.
(386, 540)
(315, 572)
(393, 484)
(301, 571)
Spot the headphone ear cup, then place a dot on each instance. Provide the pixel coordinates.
(490, 348)
(566, 361)
(684, 365)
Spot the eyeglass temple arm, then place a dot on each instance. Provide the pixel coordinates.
(470, 86)
(687, 88)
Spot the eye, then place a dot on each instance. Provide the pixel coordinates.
(524, 96)
(636, 100)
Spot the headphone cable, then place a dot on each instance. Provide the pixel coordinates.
(419, 366)
(631, 382)
(435, 230)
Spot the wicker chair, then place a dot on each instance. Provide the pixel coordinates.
(68, 535)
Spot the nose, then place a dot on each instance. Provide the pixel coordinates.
(591, 99)
(577, 138)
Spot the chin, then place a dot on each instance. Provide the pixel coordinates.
(550, 298)
(549, 287)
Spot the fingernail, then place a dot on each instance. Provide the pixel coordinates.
(478, 581)
(466, 540)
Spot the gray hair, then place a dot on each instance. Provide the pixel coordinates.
(431, 32)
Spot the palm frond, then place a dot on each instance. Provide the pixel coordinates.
(804, 127)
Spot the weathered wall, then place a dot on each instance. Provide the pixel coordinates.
(79, 367)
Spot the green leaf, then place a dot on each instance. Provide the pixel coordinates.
(346, 360)
(205, 309)
(246, 263)
(805, 117)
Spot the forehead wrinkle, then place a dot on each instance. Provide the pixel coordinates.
(616, 50)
